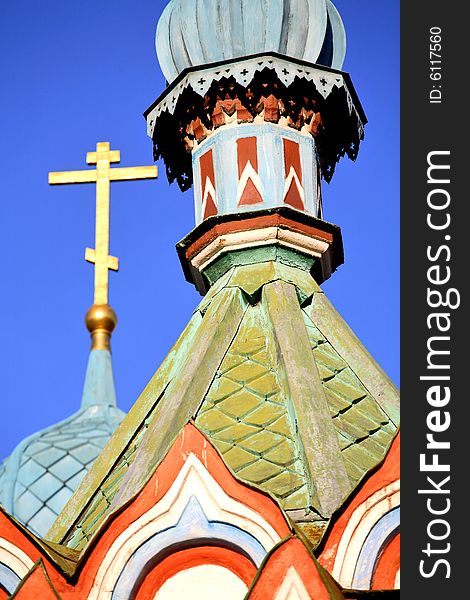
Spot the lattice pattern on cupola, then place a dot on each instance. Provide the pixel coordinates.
(54, 462)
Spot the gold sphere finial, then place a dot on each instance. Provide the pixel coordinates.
(101, 321)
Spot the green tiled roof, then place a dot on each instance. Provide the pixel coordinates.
(107, 491)
(364, 430)
(249, 417)
(272, 375)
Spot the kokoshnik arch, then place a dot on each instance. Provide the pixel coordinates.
(261, 460)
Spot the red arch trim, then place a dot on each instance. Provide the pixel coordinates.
(193, 557)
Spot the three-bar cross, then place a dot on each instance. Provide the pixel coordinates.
(102, 176)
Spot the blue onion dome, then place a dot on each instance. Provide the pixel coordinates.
(44, 470)
(197, 32)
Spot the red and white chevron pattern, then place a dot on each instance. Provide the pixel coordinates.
(293, 189)
(208, 193)
(249, 189)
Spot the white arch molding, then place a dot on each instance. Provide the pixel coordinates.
(362, 520)
(14, 558)
(193, 481)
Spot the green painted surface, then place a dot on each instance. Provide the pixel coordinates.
(364, 430)
(277, 397)
(249, 418)
(318, 440)
(185, 393)
(252, 277)
(190, 374)
(116, 454)
(341, 337)
(257, 256)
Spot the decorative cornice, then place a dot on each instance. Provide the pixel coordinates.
(287, 69)
(316, 100)
(284, 227)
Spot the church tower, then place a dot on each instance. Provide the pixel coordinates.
(261, 460)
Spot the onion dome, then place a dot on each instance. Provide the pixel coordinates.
(197, 32)
(44, 470)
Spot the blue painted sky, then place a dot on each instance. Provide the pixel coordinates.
(75, 76)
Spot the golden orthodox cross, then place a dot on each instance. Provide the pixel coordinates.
(102, 176)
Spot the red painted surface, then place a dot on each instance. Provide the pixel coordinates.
(387, 566)
(228, 107)
(385, 475)
(36, 587)
(292, 553)
(18, 535)
(238, 225)
(206, 164)
(299, 112)
(271, 108)
(3, 593)
(292, 161)
(198, 129)
(289, 553)
(250, 194)
(189, 441)
(315, 124)
(193, 557)
(247, 152)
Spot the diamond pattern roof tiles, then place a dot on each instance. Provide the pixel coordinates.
(238, 419)
(42, 519)
(358, 419)
(59, 499)
(31, 471)
(46, 486)
(261, 374)
(86, 453)
(27, 504)
(66, 467)
(67, 444)
(47, 457)
(75, 481)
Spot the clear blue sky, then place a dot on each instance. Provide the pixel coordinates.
(75, 74)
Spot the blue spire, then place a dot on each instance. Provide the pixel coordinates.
(44, 470)
(99, 380)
